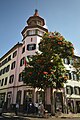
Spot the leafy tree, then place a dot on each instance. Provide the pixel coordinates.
(46, 68)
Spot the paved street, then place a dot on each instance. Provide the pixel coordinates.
(31, 118)
(13, 118)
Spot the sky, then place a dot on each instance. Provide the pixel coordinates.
(60, 15)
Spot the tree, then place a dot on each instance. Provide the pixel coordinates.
(46, 68)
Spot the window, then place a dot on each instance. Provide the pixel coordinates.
(69, 90)
(4, 70)
(0, 64)
(77, 90)
(31, 47)
(7, 68)
(78, 76)
(0, 72)
(40, 33)
(13, 65)
(18, 98)
(14, 54)
(5, 82)
(20, 77)
(11, 79)
(23, 49)
(31, 32)
(39, 22)
(4, 62)
(74, 76)
(9, 58)
(70, 76)
(2, 82)
(66, 61)
(22, 62)
(71, 61)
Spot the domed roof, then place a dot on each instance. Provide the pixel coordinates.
(36, 19)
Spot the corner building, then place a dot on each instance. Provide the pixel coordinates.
(12, 88)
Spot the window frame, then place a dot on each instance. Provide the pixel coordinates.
(11, 79)
(31, 47)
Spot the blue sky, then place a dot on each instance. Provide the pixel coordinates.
(60, 15)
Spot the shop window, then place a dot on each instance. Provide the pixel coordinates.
(28, 95)
(18, 98)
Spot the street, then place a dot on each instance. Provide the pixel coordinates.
(12, 118)
(31, 118)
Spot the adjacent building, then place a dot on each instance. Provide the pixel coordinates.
(12, 88)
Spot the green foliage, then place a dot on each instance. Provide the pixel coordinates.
(56, 43)
(46, 69)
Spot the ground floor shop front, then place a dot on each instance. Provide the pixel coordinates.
(54, 102)
(73, 105)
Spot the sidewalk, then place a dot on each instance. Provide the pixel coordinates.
(36, 117)
(70, 115)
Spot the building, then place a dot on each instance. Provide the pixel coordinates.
(12, 88)
(72, 87)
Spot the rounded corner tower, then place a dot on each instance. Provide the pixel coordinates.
(33, 32)
(35, 23)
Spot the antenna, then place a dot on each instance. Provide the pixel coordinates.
(36, 4)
